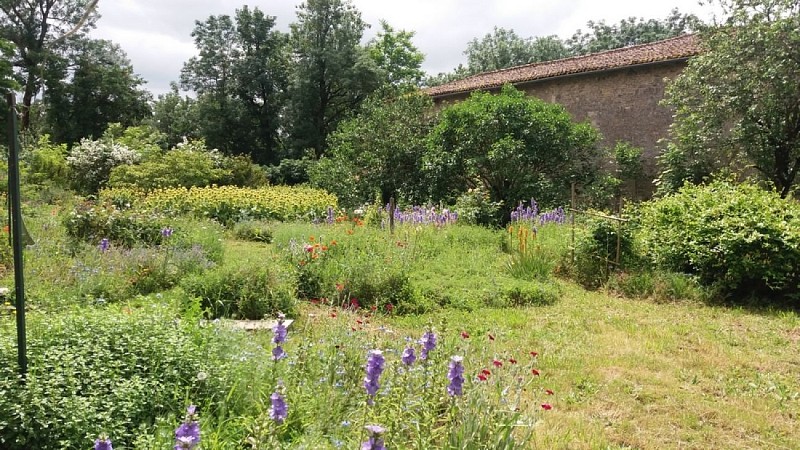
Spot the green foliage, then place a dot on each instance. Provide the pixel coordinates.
(475, 207)
(378, 152)
(291, 172)
(91, 88)
(396, 56)
(738, 238)
(737, 103)
(333, 72)
(240, 76)
(631, 31)
(176, 117)
(515, 147)
(534, 254)
(252, 230)
(628, 160)
(93, 222)
(109, 370)
(658, 285)
(146, 140)
(243, 172)
(243, 292)
(504, 48)
(7, 81)
(597, 253)
(46, 164)
(179, 167)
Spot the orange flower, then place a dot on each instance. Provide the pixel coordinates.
(311, 239)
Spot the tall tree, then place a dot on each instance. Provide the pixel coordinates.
(738, 102)
(7, 81)
(176, 116)
(90, 88)
(631, 31)
(41, 30)
(397, 57)
(505, 48)
(333, 72)
(241, 78)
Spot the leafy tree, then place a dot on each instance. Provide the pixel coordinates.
(379, 151)
(504, 48)
(7, 81)
(42, 30)
(241, 77)
(512, 146)
(333, 72)
(631, 31)
(396, 56)
(90, 88)
(738, 103)
(176, 117)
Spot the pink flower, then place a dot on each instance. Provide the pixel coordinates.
(547, 406)
(464, 335)
(497, 363)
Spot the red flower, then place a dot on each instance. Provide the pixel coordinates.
(548, 392)
(547, 406)
(482, 377)
(373, 308)
(464, 335)
(333, 313)
(491, 338)
(354, 303)
(534, 354)
(512, 360)
(352, 328)
(497, 363)
(535, 372)
(359, 321)
(486, 372)
(389, 307)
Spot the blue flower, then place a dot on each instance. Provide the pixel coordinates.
(103, 443)
(187, 435)
(456, 376)
(375, 362)
(375, 441)
(279, 410)
(428, 342)
(279, 330)
(408, 356)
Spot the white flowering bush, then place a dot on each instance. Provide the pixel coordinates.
(91, 163)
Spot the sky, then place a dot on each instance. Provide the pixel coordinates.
(156, 34)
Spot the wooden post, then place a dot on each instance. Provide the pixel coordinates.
(572, 220)
(16, 232)
(619, 234)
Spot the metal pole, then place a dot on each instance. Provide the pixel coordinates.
(16, 232)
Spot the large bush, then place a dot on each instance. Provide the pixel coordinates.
(740, 238)
(515, 147)
(91, 163)
(108, 371)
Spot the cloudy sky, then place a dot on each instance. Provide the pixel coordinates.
(156, 34)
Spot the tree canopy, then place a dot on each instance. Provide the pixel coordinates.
(738, 103)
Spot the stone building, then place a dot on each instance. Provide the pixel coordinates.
(618, 91)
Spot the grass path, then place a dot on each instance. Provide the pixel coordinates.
(636, 374)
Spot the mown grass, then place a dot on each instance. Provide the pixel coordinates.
(638, 374)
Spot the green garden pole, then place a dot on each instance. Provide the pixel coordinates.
(16, 232)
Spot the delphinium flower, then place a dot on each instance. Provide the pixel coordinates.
(279, 337)
(103, 443)
(330, 217)
(428, 342)
(187, 435)
(375, 441)
(166, 232)
(279, 410)
(456, 376)
(375, 362)
(408, 356)
(104, 244)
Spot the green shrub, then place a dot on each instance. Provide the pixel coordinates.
(252, 230)
(46, 164)
(104, 370)
(530, 293)
(657, 285)
(243, 172)
(741, 239)
(251, 292)
(596, 252)
(180, 167)
(91, 163)
(92, 222)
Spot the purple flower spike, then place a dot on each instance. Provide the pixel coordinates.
(456, 376)
(187, 435)
(375, 441)
(278, 353)
(278, 411)
(428, 342)
(166, 232)
(408, 356)
(103, 443)
(375, 362)
(104, 244)
(279, 331)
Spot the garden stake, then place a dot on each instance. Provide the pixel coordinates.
(16, 233)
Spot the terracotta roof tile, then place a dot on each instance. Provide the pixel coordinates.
(669, 49)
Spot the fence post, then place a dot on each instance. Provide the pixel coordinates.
(572, 220)
(16, 233)
(391, 215)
